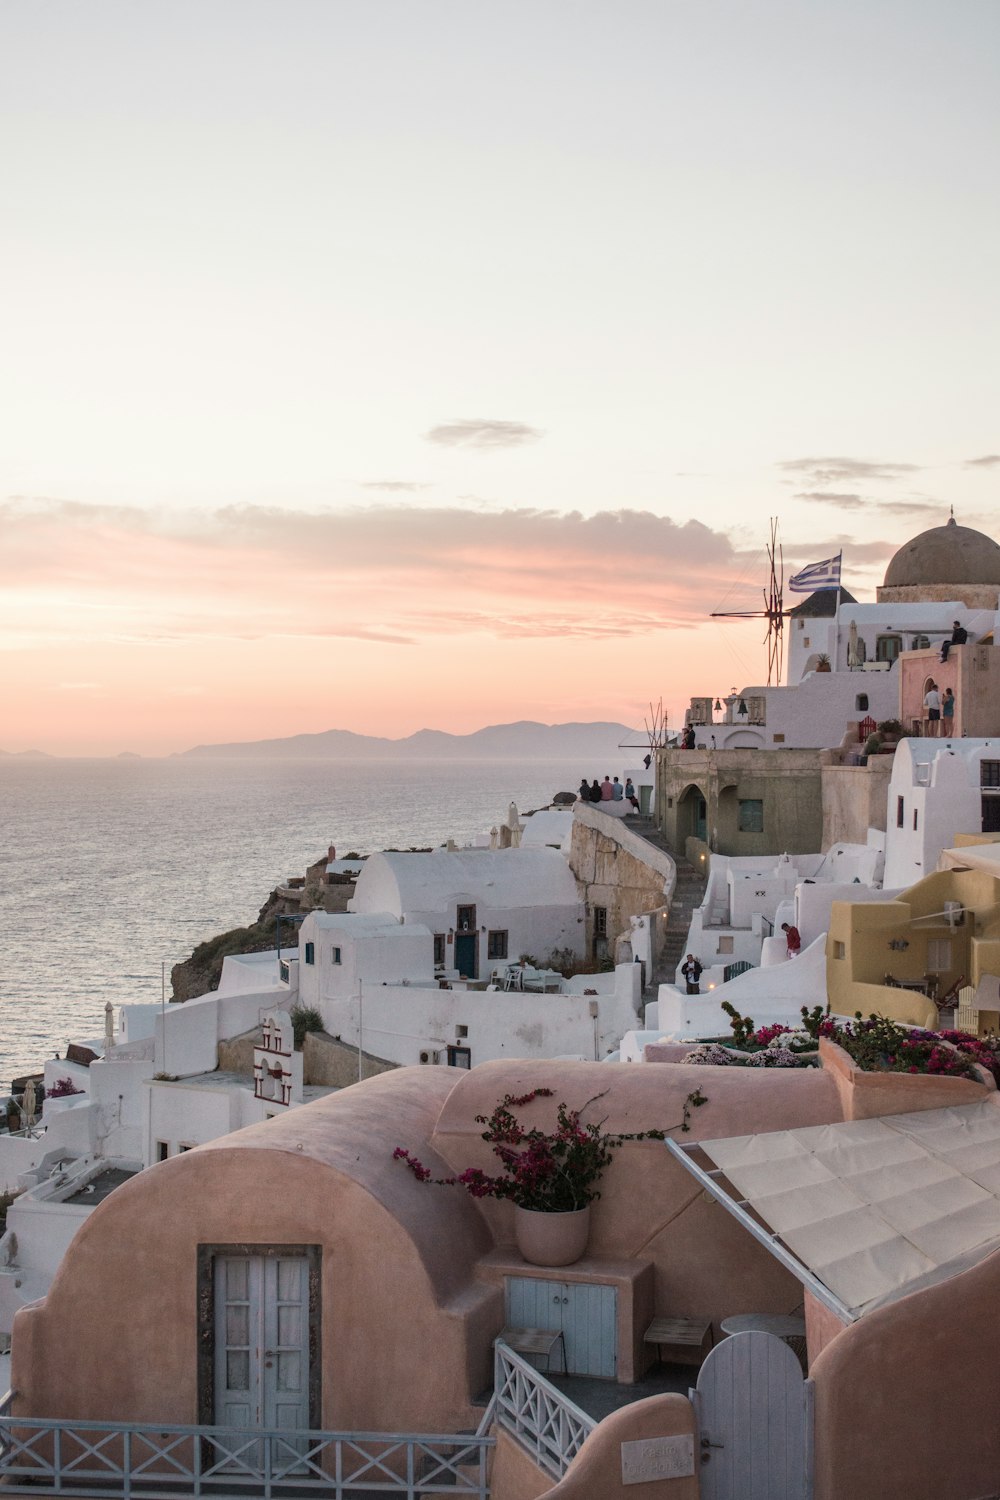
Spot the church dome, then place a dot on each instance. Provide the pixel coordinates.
(949, 554)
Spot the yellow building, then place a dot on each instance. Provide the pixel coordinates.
(891, 957)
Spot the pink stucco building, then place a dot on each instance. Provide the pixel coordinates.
(383, 1296)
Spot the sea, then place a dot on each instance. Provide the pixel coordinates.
(111, 871)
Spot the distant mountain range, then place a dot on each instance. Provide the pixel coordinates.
(524, 740)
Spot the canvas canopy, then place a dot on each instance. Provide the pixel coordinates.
(868, 1209)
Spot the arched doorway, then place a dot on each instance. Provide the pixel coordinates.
(692, 815)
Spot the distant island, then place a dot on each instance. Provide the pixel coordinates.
(525, 740)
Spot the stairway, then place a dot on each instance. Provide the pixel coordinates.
(688, 894)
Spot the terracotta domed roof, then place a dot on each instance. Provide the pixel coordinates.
(945, 554)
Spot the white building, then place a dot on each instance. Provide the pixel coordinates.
(340, 950)
(485, 907)
(840, 653)
(747, 897)
(938, 788)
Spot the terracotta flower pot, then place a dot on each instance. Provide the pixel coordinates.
(551, 1239)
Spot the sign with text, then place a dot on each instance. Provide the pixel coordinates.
(658, 1458)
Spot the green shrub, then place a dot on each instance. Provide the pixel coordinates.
(304, 1018)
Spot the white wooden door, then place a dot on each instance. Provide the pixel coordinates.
(754, 1421)
(585, 1312)
(262, 1342)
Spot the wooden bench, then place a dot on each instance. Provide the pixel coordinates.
(536, 1341)
(688, 1331)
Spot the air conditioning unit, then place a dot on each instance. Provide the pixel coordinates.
(430, 1057)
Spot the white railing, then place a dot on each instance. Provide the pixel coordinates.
(551, 1427)
(122, 1461)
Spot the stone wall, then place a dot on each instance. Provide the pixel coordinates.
(619, 871)
(785, 782)
(855, 799)
(326, 1060)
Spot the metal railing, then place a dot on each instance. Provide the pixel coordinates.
(542, 1419)
(125, 1461)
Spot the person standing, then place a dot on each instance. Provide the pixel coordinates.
(948, 712)
(932, 708)
(793, 940)
(691, 969)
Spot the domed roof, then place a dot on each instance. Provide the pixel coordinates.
(945, 554)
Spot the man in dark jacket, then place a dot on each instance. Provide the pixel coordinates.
(959, 636)
(691, 969)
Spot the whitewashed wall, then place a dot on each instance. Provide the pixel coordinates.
(399, 1022)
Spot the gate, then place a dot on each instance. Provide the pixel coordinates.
(754, 1413)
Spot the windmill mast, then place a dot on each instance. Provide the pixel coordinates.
(773, 611)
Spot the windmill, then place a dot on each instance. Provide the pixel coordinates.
(773, 611)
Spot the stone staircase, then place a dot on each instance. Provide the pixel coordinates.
(688, 894)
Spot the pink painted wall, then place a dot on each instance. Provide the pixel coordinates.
(397, 1277)
(907, 1397)
(596, 1472)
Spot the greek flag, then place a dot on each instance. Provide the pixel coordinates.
(821, 575)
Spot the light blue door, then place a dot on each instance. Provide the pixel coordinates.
(754, 1413)
(585, 1313)
(262, 1342)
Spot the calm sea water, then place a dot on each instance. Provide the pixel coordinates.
(109, 868)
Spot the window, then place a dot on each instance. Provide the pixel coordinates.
(989, 773)
(887, 647)
(920, 643)
(914, 820)
(465, 919)
(751, 816)
(461, 1032)
(839, 950)
(310, 953)
(861, 703)
(336, 955)
(460, 1057)
(725, 945)
(600, 921)
(805, 639)
(162, 1150)
(496, 945)
(939, 955)
(779, 739)
(900, 811)
(439, 945)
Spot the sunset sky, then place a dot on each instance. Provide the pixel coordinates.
(381, 364)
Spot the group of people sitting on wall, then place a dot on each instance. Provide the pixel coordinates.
(609, 790)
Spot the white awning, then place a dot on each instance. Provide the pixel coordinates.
(984, 857)
(868, 1209)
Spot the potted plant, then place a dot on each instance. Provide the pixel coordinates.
(823, 663)
(550, 1176)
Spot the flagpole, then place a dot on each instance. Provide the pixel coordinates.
(836, 616)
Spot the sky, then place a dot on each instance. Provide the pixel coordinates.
(382, 365)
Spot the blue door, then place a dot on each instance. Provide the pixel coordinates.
(466, 944)
(261, 1345)
(585, 1313)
